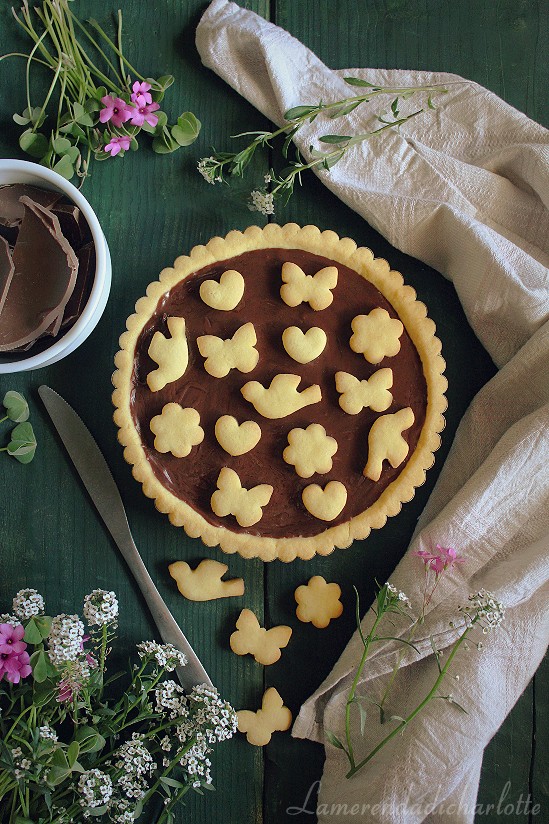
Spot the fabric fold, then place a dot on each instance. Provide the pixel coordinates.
(465, 189)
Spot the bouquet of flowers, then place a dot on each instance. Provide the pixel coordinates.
(68, 752)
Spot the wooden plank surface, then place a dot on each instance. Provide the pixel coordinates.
(152, 209)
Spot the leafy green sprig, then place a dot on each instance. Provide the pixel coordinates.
(220, 167)
(22, 444)
(85, 66)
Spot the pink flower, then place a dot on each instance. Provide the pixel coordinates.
(90, 660)
(141, 94)
(14, 661)
(441, 559)
(117, 143)
(116, 110)
(65, 690)
(144, 112)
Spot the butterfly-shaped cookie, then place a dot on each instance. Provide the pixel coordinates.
(316, 290)
(264, 644)
(272, 717)
(231, 498)
(238, 352)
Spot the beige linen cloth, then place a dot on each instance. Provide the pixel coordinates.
(465, 189)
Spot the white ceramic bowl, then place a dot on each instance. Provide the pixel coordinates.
(22, 171)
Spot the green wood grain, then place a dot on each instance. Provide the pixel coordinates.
(154, 208)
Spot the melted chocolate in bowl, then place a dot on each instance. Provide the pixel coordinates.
(194, 478)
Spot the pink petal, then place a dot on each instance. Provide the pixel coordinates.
(105, 115)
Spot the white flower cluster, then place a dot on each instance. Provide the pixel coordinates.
(136, 764)
(170, 696)
(100, 608)
(196, 764)
(216, 716)
(5, 618)
(96, 788)
(47, 733)
(121, 811)
(208, 169)
(28, 603)
(65, 639)
(401, 596)
(166, 655)
(485, 608)
(20, 764)
(262, 202)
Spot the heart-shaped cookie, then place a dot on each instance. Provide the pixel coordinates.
(234, 438)
(304, 347)
(325, 504)
(226, 294)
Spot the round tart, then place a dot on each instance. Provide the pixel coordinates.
(279, 392)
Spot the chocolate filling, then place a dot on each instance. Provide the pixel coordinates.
(193, 479)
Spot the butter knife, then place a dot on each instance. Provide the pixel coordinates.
(96, 477)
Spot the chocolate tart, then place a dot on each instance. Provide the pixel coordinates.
(320, 466)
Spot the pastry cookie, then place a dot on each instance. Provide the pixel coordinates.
(225, 295)
(272, 717)
(204, 582)
(318, 602)
(177, 430)
(264, 644)
(306, 294)
(310, 450)
(376, 335)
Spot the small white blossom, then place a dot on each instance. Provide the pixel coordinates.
(262, 202)
(47, 733)
(96, 788)
(28, 603)
(136, 764)
(484, 608)
(100, 608)
(401, 596)
(207, 167)
(5, 618)
(166, 655)
(169, 696)
(65, 639)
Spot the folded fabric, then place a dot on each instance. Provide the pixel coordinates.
(466, 190)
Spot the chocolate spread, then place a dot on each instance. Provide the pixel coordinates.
(193, 479)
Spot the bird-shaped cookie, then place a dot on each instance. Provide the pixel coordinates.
(171, 355)
(282, 397)
(204, 582)
(385, 442)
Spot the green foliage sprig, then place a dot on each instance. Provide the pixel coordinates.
(22, 444)
(220, 167)
(87, 68)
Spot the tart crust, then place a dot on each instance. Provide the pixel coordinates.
(420, 328)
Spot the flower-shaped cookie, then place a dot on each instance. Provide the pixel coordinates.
(272, 717)
(264, 644)
(376, 335)
(177, 430)
(318, 602)
(310, 450)
(231, 498)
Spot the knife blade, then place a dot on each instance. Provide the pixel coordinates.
(96, 477)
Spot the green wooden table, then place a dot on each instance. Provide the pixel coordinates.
(152, 209)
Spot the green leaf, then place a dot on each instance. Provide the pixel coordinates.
(334, 740)
(92, 105)
(343, 110)
(73, 153)
(61, 144)
(39, 666)
(16, 406)
(163, 82)
(164, 143)
(21, 120)
(73, 752)
(33, 143)
(22, 445)
(64, 167)
(356, 81)
(187, 129)
(32, 633)
(334, 138)
(331, 161)
(96, 812)
(59, 759)
(56, 775)
(100, 92)
(171, 782)
(299, 111)
(89, 739)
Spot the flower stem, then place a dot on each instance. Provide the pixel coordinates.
(430, 695)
